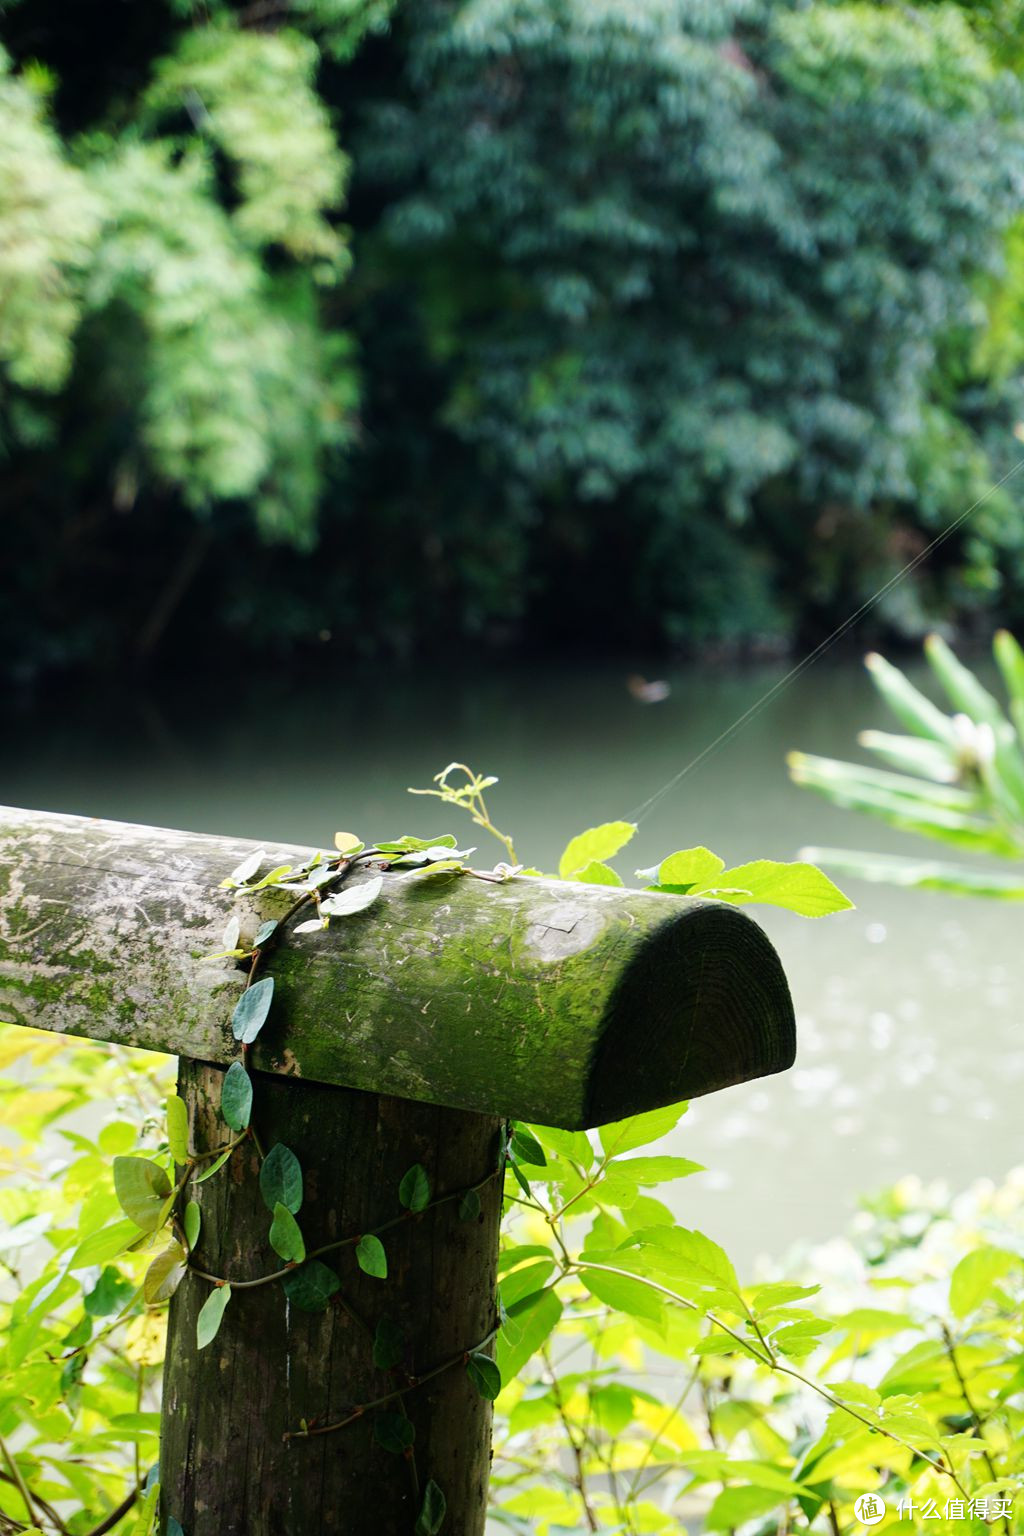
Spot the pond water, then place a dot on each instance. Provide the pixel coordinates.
(911, 1053)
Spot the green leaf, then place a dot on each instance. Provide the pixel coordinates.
(353, 899)
(596, 873)
(594, 846)
(962, 687)
(735, 1506)
(971, 1280)
(147, 1513)
(174, 1527)
(251, 1010)
(110, 1293)
(388, 1344)
(281, 1179)
(469, 1206)
(432, 1511)
(105, 1244)
(623, 1293)
(909, 704)
(235, 1100)
(690, 1255)
(143, 1190)
(394, 1432)
(414, 1190)
(534, 1319)
(638, 1130)
(264, 932)
(690, 866)
(525, 1146)
(285, 1236)
(371, 1258)
(311, 1286)
(217, 1164)
(210, 1315)
(523, 1281)
(193, 1222)
(347, 842)
(409, 844)
(945, 815)
(248, 867)
(164, 1275)
(177, 1129)
(798, 887)
(484, 1374)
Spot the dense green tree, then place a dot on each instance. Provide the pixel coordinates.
(663, 322)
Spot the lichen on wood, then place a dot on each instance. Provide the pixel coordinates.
(556, 1002)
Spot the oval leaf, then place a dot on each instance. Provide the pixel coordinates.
(281, 1179)
(432, 1511)
(264, 932)
(414, 1190)
(484, 1375)
(235, 1101)
(143, 1189)
(193, 1222)
(210, 1314)
(248, 867)
(177, 1129)
(285, 1237)
(164, 1275)
(251, 1010)
(355, 898)
(371, 1258)
(311, 1287)
(469, 1206)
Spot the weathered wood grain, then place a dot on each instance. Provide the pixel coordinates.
(556, 1002)
(226, 1468)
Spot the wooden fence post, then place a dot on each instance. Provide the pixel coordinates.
(404, 1035)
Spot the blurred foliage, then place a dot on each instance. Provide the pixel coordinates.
(960, 778)
(660, 323)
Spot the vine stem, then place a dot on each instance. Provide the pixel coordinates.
(579, 1482)
(773, 1363)
(17, 1479)
(345, 1242)
(411, 1385)
(972, 1410)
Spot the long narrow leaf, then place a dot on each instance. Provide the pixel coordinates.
(908, 703)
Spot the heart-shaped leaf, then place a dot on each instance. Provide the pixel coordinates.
(371, 1258)
(285, 1237)
(311, 1287)
(484, 1375)
(164, 1275)
(143, 1190)
(414, 1190)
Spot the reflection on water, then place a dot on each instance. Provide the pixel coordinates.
(911, 1056)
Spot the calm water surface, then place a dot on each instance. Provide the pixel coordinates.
(911, 1053)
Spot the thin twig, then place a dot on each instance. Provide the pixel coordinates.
(390, 1397)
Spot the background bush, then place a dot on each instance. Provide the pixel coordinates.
(653, 324)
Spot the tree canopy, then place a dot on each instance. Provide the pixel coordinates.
(671, 322)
